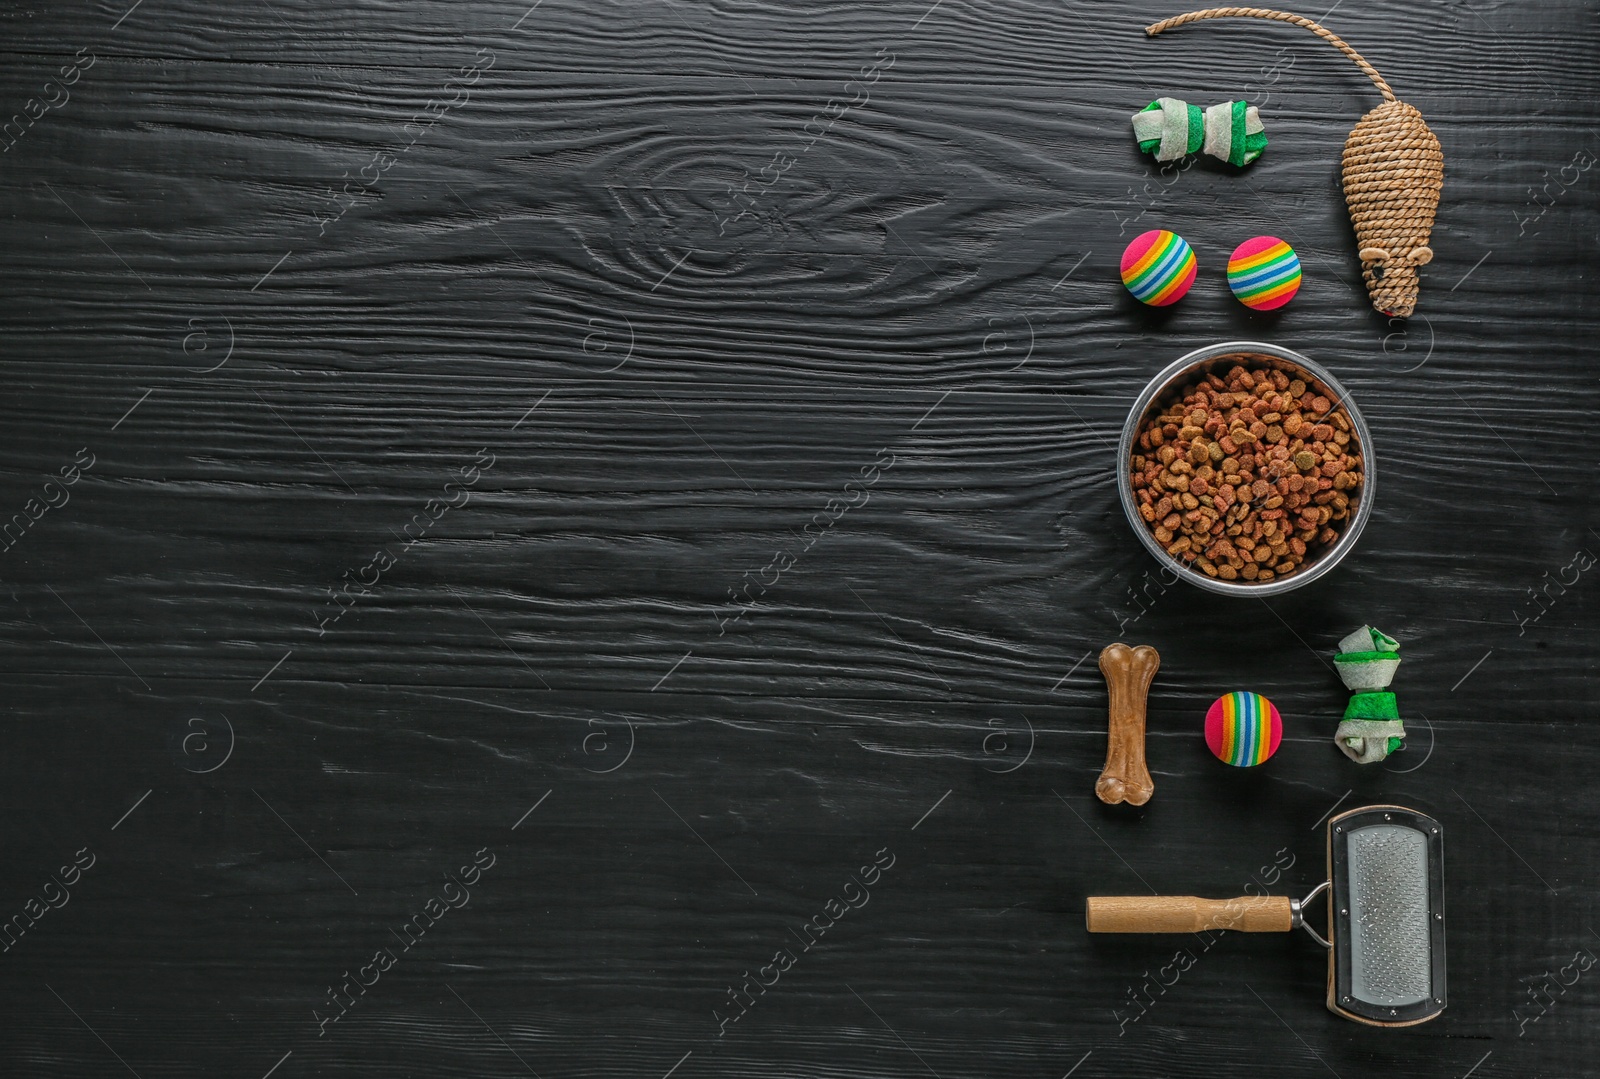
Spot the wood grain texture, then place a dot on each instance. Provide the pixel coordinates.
(554, 275)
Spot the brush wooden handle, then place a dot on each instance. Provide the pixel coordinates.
(1188, 914)
(1128, 671)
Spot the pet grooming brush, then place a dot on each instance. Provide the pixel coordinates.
(1385, 890)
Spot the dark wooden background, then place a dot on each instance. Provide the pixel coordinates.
(668, 400)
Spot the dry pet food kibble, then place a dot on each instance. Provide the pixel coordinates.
(1248, 475)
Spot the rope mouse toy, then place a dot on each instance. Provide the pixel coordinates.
(1393, 173)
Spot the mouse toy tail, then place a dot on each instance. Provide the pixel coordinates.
(1281, 16)
(1393, 175)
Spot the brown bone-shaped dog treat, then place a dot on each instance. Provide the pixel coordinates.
(1128, 672)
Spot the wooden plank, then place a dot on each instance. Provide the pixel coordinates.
(598, 906)
(914, 208)
(346, 44)
(586, 552)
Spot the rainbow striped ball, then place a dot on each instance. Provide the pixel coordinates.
(1243, 729)
(1158, 267)
(1264, 273)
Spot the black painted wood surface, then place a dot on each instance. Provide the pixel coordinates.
(539, 312)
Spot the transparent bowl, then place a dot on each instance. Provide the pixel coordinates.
(1160, 391)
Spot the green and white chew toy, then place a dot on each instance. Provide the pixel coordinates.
(1171, 129)
(1371, 728)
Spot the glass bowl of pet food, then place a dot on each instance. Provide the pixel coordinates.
(1247, 468)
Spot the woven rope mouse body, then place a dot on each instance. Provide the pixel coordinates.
(1393, 174)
